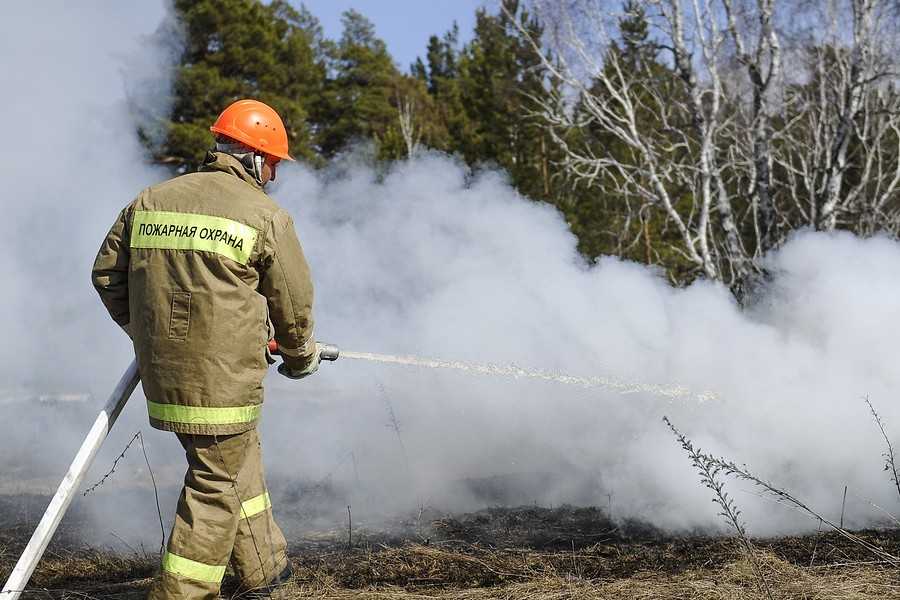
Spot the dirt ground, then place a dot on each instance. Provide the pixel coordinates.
(524, 552)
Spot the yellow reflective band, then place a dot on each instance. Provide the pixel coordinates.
(188, 231)
(185, 567)
(203, 415)
(256, 505)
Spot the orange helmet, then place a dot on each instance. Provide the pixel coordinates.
(255, 124)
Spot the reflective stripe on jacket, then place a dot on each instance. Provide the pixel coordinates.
(194, 269)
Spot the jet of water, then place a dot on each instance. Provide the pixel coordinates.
(670, 391)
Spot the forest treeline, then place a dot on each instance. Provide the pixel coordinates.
(648, 154)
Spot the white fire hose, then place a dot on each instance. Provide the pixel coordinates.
(41, 537)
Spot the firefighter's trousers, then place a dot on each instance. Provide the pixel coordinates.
(224, 515)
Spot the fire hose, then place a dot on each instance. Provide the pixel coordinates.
(328, 352)
(73, 478)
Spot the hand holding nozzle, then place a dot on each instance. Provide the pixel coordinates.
(327, 352)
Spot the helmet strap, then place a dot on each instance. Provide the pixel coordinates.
(258, 161)
(251, 160)
(252, 163)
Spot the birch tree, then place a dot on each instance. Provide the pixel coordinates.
(841, 143)
(678, 159)
(733, 152)
(406, 116)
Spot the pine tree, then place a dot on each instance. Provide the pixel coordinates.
(359, 95)
(242, 48)
(499, 79)
(448, 124)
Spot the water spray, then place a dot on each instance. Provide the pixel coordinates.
(671, 391)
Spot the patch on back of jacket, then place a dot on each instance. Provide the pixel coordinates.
(180, 318)
(190, 231)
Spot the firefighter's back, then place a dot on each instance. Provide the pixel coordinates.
(199, 325)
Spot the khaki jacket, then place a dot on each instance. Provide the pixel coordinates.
(196, 270)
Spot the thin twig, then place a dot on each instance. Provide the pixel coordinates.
(843, 505)
(233, 480)
(394, 424)
(886, 513)
(139, 436)
(889, 462)
(812, 559)
(349, 528)
(709, 472)
(114, 465)
(162, 529)
(731, 468)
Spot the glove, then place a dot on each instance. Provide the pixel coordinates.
(292, 374)
(311, 368)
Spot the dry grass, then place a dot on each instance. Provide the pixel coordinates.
(525, 552)
(734, 581)
(427, 572)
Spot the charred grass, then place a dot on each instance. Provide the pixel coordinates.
(525, 552)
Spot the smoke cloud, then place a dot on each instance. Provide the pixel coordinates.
(433, 262)
(430, 259)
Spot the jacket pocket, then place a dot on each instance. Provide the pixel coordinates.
(180, 318)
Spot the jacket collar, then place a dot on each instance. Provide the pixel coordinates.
(220, 161)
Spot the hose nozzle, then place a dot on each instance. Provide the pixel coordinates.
(328, 352)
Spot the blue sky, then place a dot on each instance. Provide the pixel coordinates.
(404, 25)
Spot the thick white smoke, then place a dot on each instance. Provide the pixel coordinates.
(426, 260)
(430, 262)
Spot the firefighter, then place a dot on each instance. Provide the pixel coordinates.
(201, 271)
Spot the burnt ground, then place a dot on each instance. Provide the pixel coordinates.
(513, 543)
(504, 552)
